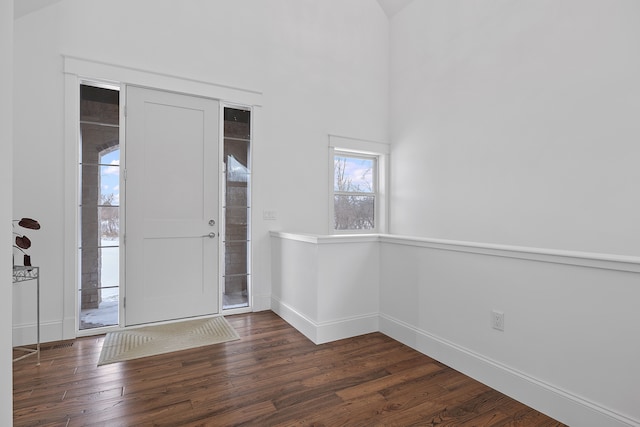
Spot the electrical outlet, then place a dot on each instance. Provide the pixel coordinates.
(497, 320)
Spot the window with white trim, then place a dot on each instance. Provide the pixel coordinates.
(354, 192)
(357, 202)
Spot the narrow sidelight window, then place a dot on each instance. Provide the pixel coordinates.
(99, 210)
(237, 208)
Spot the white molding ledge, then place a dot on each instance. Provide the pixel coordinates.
(322, 239)
(555, 256)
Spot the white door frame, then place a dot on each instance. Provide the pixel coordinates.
(75, 71)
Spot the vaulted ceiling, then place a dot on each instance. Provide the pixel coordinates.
(391, 7)
(24, 7)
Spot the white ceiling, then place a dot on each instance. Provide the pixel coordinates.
(391, 7)
(24, 7)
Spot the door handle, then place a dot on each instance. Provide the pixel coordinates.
(210, 235)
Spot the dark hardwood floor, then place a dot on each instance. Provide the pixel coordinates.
(273, 376)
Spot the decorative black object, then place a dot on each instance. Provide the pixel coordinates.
(22, 242)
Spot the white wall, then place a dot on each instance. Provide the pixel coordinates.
(321, 66)
(568, 319)
(327, 287)
(516, 122)
(6, 178)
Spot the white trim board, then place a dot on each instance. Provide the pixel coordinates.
(582, 259)
(323, 332)
(97, 70)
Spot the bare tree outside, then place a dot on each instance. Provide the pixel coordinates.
(354, 196)
(109, 217)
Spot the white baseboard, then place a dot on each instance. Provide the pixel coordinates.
(325, 332)
(347, 328)
(23, 335)
(559, 404)
(303, 324)
(26, 334)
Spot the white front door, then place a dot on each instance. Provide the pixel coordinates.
(171, 206)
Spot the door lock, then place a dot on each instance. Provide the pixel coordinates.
(212, 222)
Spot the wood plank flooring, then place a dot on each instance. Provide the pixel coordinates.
(273, 376)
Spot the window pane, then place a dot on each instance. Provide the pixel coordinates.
(100, 267)
(235, 173)
(237, 198)
(99, 105)
(236, 258)
(90, 269)
(236, 227)
(353, 174)
(239, 152)
(100, 185)
(237, 123)
(110, 267)
(99, 308)
(110, 177)
(235, 292)
(237, 194)
(96, 138)
(99, 206)
(109, 225)
(354, 212)
(109, 185)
